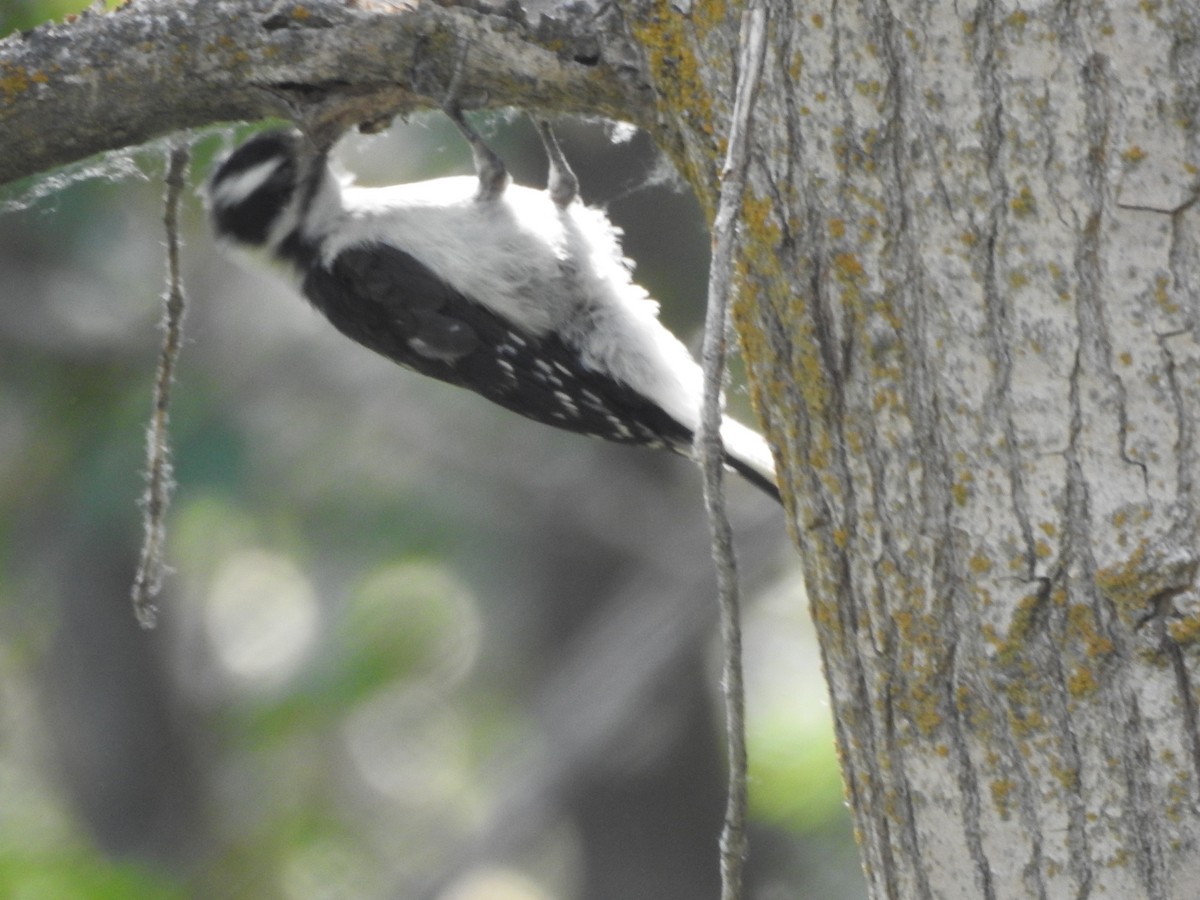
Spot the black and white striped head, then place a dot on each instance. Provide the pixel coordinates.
(261, 193)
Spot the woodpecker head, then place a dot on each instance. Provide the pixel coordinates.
(259, 196)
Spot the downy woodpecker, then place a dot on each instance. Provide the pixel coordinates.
(521, 295)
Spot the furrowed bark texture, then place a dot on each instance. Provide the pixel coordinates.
(969, 302)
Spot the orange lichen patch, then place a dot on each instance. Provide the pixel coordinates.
(1024, 204)
(16, 80)
(1134, 154)
(1081, 624)
(848, 269)
(1002, 790)
(980, 564)
(1082, 682)
(1185, 631)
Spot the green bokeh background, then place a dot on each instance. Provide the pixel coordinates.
(412, 646)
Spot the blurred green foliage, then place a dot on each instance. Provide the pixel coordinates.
(794, 771)
(18, 15)
(357, 635)
(81, 875)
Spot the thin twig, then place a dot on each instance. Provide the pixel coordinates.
(711, 452)
(159, 483)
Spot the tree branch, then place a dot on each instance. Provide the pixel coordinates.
(107, 81)
(753, 38)
(159, 484)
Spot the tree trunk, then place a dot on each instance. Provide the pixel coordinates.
(969, 288)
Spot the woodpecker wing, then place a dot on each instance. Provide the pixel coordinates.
(390, 302)
(403, 299)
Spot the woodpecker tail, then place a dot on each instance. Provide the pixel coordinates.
(747, 453)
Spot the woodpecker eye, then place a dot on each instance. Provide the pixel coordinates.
(253, 186)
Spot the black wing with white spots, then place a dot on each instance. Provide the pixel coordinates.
(388, 301)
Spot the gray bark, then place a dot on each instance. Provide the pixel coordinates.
(104, 82)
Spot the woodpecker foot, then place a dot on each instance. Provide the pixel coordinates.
(562, 185)
(489, 167)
